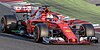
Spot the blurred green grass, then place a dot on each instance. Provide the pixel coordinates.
(79, 9)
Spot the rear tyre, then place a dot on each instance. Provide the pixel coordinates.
(87, 30)
(8, 23)
(40, 31)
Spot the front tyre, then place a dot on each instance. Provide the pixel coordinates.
(87, 30)
(40, 31)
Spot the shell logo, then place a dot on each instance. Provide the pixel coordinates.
(68, 30)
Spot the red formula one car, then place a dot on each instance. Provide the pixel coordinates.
(50, 28)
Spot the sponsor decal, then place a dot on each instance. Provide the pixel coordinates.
(68, 30)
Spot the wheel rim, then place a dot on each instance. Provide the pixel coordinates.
(82, 31)
(36, 34)
(2, 25)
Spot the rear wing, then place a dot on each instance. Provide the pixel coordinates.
(22, 9)
(25, 7)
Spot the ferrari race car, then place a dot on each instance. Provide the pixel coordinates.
(48, 27)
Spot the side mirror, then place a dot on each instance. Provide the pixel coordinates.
(26, 16)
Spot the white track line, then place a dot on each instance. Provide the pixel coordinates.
(97, 32)
(6, 4)
(9, 4)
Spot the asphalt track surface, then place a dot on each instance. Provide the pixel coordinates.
(14, 42)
